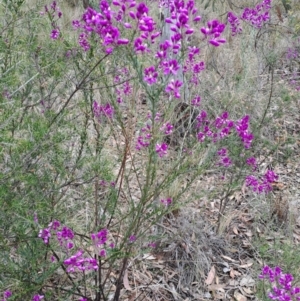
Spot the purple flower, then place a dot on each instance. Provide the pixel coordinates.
(132, 238)
(101, 111)
(55, 34)
(224, 159)
(45, 234)
(141, 10)
(167, 128)
(102, 253)
(161, 149)
(213, 31)
(174, 87)
(198, 67)
(37, 298)
(252, 162)
(259, 15)
(143, 141)
(166, 202)
(196, 101)
(271, 176)
(150, 76)
(7, 294)
(201, 136)
(83, 42)
(152, 245)
(76, 24)
(263, 185)
(53, 5)
(234, 24)
(282, 284)
(170, 66)
(78, 263)
(65, 237)
(222, 152)
(122, 41)
(100, 238)
(54, 225)
(140, 46)
(242, 127)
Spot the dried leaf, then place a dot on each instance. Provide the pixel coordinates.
(247, 265)
(249, 233)
(149, 256)
(239, 297)
(247, 291)
(126, 282)
(211, 275)
(232, 274)
(235, 230)
(247, 281)
(216, 287)
(233, 282)
(228, 258)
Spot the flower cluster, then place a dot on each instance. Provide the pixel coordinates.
(100, 24)
(161, 149)
(242, 127)
(101, 111)
(79, 263)
(224, 160)
(143, 140)
(7, 294)
(213, 31)
(234, 22)
(147, 28)
(99, 239)
(167, 128)
(45, 233)
(52, 13)
(252, 162)
(181, 16)
(65, 238)
(173, 88)
(216, 130)
(150, 75)
(123, 87)
(192, 65)
(64, 235)
(196, 101)
(259, 15)
(282, 284)
(264, 184)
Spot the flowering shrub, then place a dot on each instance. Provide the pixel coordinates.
(76, 146)
(282, 287)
